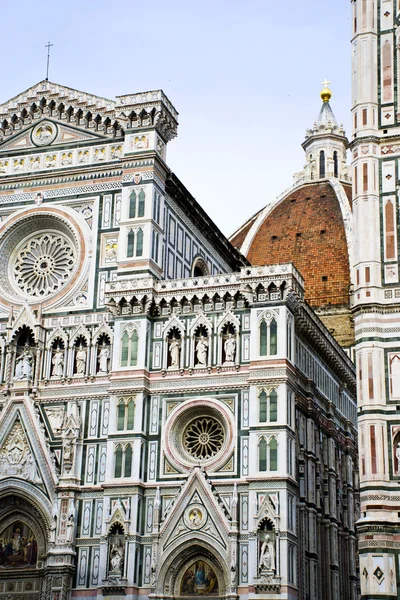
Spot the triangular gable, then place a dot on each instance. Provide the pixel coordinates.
(64, 134)
(197, 512)
(25, 317)
(23, 450)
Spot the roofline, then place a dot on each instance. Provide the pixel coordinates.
(59, 84)
(192, 208)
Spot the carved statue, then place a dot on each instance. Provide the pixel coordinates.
(267, 555)
(80, 360)
(53, 530)
(202, 350)
(24, 364)
(230, 348)
(68, 451)
(117, 559)
(103, 359)
(174, 351)
(58, 363)
(398, 457)
(70, 529)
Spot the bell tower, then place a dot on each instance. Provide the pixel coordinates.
(376, 299)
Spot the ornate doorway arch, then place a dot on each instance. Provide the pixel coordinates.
(193, 571)
(23, 545)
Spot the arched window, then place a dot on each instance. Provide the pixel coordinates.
(268, 406)
(118, 462)
(268, 338)
(132, 205)
(131, 414)
(141, 203)
(263, 407)
(273, 455)
(263, 338)
(335, 165)
(134, 348)
(273, 343)
(128, 461)
(322, 164)
(124, 349)
(262, 455)
(125, 414)
(123, 461)
(139, 242)
(131, 244)
(129, 348)
(273, 406)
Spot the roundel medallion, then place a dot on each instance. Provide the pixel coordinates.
(44, 133)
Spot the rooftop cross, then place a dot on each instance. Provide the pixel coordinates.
(48, 46)
(326, 82)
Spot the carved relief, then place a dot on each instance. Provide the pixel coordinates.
(16, 459)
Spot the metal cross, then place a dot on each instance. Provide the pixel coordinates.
(326, 82)
(48, 46)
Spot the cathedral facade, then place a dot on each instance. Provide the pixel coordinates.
(174, 422)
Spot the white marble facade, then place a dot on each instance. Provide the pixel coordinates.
(173, 421)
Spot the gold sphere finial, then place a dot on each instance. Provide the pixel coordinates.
(326, 93)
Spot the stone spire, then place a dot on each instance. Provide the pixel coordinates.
(325, 145)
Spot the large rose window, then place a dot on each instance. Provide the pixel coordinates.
(44, 253)
(199, 431)
(203, 438)
(44, 264)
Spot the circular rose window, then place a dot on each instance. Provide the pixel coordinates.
(203, 438)
(44, 263)
(199, 432)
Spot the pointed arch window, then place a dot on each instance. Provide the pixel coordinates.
(268, 406)
(137, 204)
(123, 461)
(273, 455)
(268, 337)
(141, 205)
(132, 205)
(139, 243)
(129, 348)
(118, 462)
(262, 455)
(125, 414)
(131, 244)
(322, 164)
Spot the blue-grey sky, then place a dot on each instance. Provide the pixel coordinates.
(244, 76)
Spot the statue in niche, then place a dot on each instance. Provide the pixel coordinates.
(104, 356)
(230, 348)
(53, 530)
(58, 363)
(174, 351)
(80, 360)
(202, 350)
(398, 458)
(70, 529)
(267, 554)
(24, 364)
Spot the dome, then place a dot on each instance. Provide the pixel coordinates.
(309, 226)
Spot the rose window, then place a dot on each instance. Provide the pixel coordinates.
(203, 438)
(44, 264)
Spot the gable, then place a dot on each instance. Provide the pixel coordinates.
(48, 132)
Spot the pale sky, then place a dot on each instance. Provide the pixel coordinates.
(244, 76)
